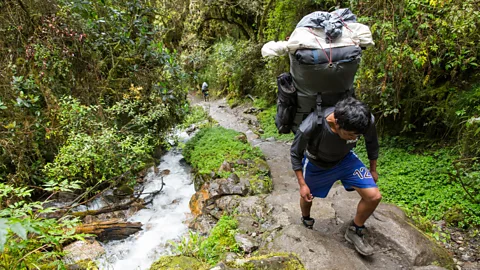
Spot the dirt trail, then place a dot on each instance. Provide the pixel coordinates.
(398, 245)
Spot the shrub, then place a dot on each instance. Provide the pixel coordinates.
(27, 240)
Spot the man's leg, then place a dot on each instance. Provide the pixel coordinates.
(370, 199)
(305, 207)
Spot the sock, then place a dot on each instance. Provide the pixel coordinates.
(358, 229)
(356, 226)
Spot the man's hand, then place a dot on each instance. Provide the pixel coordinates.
(374, 175)
(305, 193)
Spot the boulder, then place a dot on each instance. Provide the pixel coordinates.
(391, 229)
(80, 252)
(198, 201)
(246, 243)
(203, 224)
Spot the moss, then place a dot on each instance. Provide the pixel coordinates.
(271, 261)
(84, 265)
(220, 240)
(178, 262)
(260, 184)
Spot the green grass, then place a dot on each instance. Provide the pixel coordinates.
(210, 147)
(196, 114)
(213, 248)
(267, 123)
(421, 184)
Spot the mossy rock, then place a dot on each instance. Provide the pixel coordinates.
(83, 265)
(260, 184)
(272, 261)
(178, 263)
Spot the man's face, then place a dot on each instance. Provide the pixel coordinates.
(347, 135)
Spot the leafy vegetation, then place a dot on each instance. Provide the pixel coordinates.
(27, 239)
(266, 119)
(426, 184)
(212, 146)
(418, 78)
(214, 247)
(88, 89)
(196, 115)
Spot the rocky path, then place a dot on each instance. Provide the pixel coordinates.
(398, 244)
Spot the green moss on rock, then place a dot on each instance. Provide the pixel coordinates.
(272, 261)
(178, 263)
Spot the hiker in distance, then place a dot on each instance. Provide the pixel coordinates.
(205, 91)
(322, 154)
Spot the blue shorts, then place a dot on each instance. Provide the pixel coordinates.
(351, 171)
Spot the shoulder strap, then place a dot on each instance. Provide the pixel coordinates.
(319, 109)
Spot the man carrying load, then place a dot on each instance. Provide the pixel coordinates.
(315, 101)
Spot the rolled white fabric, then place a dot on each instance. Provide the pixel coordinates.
(353, 34)
(310, 38)
(274, 48)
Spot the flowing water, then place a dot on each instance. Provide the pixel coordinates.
(163, 220)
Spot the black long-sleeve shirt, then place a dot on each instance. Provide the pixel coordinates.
(323, 147)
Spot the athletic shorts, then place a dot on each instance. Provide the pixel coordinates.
(351, 171)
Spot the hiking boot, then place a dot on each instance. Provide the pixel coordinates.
(308, 222)
(356, 236)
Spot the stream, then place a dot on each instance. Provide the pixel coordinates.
(163, 220)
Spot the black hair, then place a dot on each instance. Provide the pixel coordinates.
(353, 115)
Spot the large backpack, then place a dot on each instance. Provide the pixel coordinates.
(317, 77)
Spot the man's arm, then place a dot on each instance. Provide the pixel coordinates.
(373, 170)
(304, 189)
(298, 150)
(371, 143)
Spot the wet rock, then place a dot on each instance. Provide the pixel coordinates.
(88, 250)
(178, 263)
(246, 243)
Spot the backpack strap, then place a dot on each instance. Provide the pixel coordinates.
(319, 109)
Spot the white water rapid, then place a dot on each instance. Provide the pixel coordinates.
(162, 221)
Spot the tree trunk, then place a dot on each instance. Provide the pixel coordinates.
(113, 229)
